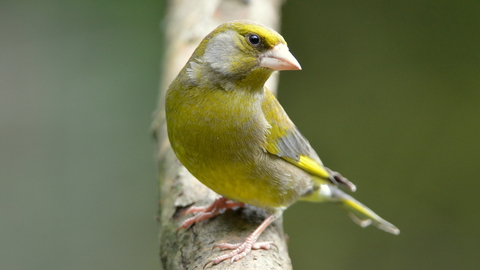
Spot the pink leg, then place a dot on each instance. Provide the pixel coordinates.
(212, 210)
(242, 249)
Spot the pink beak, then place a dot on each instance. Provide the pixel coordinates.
(279, 58)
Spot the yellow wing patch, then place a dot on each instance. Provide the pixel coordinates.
(310, 165)
(285, 141)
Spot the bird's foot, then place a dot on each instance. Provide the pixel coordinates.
(207, 212)
(239, 250)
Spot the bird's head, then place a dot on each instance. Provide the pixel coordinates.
(240, 54)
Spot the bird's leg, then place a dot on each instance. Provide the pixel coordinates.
(240, 250)
(210, 211)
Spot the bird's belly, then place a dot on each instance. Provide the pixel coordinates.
(244, 173)
(224, 149)
(265, 184)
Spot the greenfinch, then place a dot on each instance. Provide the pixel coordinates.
(233, 135)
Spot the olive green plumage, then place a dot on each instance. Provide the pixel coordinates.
(231, 133)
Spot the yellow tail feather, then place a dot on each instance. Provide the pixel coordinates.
(360, 214)
(359, 210)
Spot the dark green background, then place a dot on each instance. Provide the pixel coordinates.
(389, 95)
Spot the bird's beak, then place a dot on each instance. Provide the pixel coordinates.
(279, 58)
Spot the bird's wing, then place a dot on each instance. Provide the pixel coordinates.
(285, 141)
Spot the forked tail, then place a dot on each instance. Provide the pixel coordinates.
(361, 214)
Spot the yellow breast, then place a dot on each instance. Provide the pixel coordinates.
(222, 147)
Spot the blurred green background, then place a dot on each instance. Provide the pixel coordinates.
(389, 95)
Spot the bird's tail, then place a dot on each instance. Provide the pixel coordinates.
(361, 214)
(358, 212)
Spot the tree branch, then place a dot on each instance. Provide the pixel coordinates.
(187, 22)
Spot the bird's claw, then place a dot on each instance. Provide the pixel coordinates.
(219, 205)
(239, 250)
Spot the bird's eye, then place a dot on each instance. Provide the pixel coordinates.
(254, 39)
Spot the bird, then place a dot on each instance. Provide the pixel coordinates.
(232, 134)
